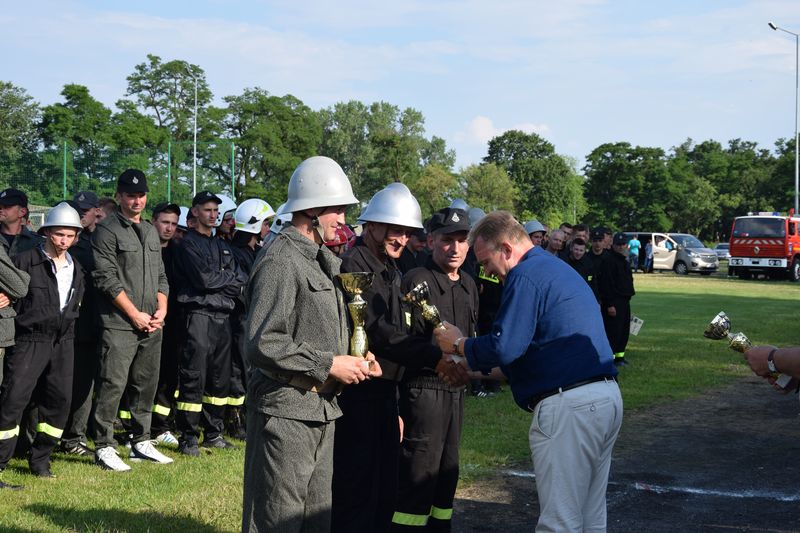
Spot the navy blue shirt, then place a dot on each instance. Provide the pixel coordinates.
(548, 332)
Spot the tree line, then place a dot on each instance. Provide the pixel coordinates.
(694, 187)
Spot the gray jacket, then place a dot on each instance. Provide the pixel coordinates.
(296, 323)
(24, 241)
(14, 284)
(123, 262)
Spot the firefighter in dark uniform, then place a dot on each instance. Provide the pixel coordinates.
(252, 223)
(165, 221)
(578, 258)
(616, 290)
(86, 347)
(40, 363)
(367, 439)
(13, 218)
(431, 409)
(415, 253)
(209, 284)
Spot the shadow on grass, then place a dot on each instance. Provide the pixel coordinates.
(117, 520)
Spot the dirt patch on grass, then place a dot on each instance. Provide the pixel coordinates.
(727, 460)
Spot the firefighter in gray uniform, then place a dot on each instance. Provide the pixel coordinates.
(295, 330)
(432, 410)
(132, 300)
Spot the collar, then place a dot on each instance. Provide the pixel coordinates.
(44, 256)
(442, 280)
(305, 246)
(373, 263)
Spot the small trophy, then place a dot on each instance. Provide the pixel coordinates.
(354, 283)
(418, 296)
(720, 328)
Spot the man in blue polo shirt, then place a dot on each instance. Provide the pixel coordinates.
(548, 339)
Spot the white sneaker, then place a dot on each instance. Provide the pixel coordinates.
(166, 439)
(145, 451)
(108, 459)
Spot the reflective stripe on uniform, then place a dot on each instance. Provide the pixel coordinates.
(47, 429)
(177, 393)
(236, 401)
(9, 433)
(406, 519)
(441, 514)
(482, 275)
(161, 410)
(125, 415)
(619, 355)
(212, 400)
(191, 407)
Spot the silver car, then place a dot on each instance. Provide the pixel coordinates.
(723, 250)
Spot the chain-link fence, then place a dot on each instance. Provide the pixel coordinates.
(173, 172)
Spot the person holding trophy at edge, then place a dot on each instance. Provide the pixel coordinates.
(368, 434)
(295, 329)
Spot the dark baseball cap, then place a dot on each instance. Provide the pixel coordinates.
(166, 207)
(86, 200)
(449, 220)
(598, 234)
(132, 180)
(205, 196)
(13, 196)
(76, 206)
(621, 238)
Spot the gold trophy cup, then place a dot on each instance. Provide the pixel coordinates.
(418, 297)
(720, 328)
(354, 283)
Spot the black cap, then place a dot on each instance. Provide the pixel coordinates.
(76, 206)
(621, 238)
(205, 196)
(86, 200)
(598, 234)
(132, 180)
(13, 196)
(448, 220)
(166, 207)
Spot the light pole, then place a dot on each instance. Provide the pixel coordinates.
(194, 142)
(796, 108)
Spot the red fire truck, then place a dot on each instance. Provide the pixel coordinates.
(765, 243)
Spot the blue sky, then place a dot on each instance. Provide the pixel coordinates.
(578, 72)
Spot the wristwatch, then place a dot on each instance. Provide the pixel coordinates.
(771, 361)
(456, 344)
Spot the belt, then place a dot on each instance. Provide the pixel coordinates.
(531, 403)
(303, 382)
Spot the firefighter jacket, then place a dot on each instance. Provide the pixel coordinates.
(585, 268)
(296, 322)
(39, 314)
(127, 258)
(14, 284)
(24, 240)
(457, 302)
(388, 337)
(207, 274)
(615, 281)
(88, 321)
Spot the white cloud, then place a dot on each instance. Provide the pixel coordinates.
(480, 130)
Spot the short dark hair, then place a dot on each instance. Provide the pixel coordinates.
(578, 241)
(565, 225)
(580, 227)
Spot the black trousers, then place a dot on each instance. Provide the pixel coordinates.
(618, 328)
(204, 375)
(239, 364)
(428, 457)
(171, 345)
(365, 458)
(87, 360)
(41, 370)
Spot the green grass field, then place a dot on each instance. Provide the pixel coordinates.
(669, 359)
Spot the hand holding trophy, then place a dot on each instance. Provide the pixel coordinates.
(720, 328)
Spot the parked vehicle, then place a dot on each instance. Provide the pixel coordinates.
(680, 252)
(723, 250)
(765, 243)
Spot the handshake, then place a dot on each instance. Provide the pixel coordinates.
(452, 368)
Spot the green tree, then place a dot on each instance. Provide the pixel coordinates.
(432, 187)
(547, 184)
(489, 187)
(273, 135)
(345, 138)
(19, 116)
(626, 187)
